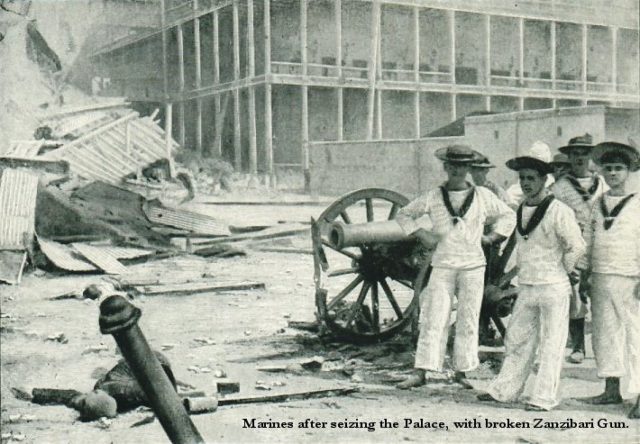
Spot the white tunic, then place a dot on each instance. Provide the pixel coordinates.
(460, 246)
(616, 250)
(552, 249)
(565, 192)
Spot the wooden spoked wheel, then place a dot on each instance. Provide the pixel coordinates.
(364, 294)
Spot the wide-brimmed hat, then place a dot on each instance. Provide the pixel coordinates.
(584, 141)
(519, 163)
(458, 154)
(618, 149)
(559, 160)
(482, 163)
(540, 150)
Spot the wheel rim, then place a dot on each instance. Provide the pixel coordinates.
(356, 298)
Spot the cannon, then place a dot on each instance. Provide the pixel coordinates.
(369, 275)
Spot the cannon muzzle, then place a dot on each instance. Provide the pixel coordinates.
(350, 235)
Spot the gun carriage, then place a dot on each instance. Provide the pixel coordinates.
(369, 275)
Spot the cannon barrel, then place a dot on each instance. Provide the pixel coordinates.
(350, 235)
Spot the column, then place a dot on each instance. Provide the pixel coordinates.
(268, 113)
(253, 147)
(196, 41)
(217, 148)
(452, 38)
(553, 55)
(237, 136)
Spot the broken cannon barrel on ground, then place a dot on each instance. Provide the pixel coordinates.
(343, 235)
(120, 318)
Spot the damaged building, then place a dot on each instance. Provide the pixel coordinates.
(257, 82)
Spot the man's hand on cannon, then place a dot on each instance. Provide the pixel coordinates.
(428, 238)
(492, 238)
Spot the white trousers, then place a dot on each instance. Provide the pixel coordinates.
(538, 327)
(435, 309)
(616, 328)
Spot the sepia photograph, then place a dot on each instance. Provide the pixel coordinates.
(304, 221)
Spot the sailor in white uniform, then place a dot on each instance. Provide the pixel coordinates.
(458, 212)
(613, 258)
(549, 246)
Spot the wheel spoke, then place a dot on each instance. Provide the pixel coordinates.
(345, 217)
(355, 308)
(369, 204)
(342, 271)
(375, 308)
(394, 211)
(392, 299)
(344, 252)
(345, 291)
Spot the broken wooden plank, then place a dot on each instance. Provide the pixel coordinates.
(284, 397)
(199, 287)
(291, 250)
(307, 326)
(11, 266)
(247, 228)
(101, 258)
(269, 233)
(220, 250)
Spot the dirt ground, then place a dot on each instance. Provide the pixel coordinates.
(246, 330)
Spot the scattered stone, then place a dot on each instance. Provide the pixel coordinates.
(168, 346)
(205, 341)
(95, 349)
(104, 423)
(218, 373)
(287, 315)
(205, 370)
(278, 384)
(247, 332)
(58, 337)
(227, 387)
(193, 369)
(15, 418)
(18, 436)
(356, 377)
(6, 435)
(262, 386)
(314, 364)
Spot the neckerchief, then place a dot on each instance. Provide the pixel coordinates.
(585, 194)
(610, 217)
(463, 209)
(536, 218)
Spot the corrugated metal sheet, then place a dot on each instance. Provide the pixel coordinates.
(18, 190)
(24, 148)
(103, 154)
(101, 258)
(63, 256)
(183, 219)
(124, 252)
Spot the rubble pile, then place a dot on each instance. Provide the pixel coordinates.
(88, 185)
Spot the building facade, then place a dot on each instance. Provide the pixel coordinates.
(256, 81)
